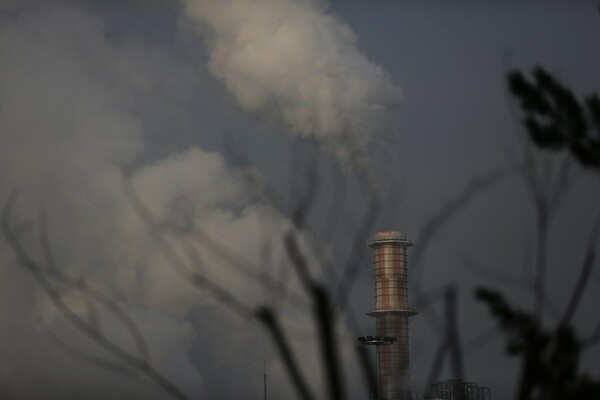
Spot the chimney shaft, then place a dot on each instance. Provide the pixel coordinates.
(391, 313)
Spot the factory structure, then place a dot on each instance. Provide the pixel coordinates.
(391, 315)
(453, 389)
(391, 339)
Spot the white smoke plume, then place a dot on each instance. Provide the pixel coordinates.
(70, 121)
(299, 68)
(75, 108)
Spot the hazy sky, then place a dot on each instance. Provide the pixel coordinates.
(170, 93)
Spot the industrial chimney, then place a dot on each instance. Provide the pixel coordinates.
(391, 314)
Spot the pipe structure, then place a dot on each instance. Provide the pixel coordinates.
(391, 313)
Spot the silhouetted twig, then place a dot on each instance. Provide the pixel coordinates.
(584, 274)
(85, 327)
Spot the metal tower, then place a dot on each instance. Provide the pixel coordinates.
(391, 313)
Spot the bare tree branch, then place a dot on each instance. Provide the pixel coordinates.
(324, 314)
(584, 274)
(83, 326)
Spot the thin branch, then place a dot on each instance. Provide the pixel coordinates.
(452, 335)
(90, 292)
(233, 259)
(480, 340)
(264, 315)
(451, 208)
(493, 274)
(593, 339)
(74, 353)
(83, 326)
(438, 362)
(324, 315)
(271, 323)
(304, 187)
(361, 352)
(562, 184)
(584, 274)
(541, 264)
(508, 280)
(355, 258)
(433, 226)
(220, 294)
(246, 267)
(336, 208)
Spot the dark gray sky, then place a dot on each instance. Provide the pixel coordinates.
(169, 91)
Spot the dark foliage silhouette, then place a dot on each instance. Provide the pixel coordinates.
(556, 119)
(550, 358)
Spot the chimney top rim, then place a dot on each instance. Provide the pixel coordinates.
(389, 237)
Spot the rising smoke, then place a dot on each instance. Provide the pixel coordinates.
(74, 113)
(298, 68)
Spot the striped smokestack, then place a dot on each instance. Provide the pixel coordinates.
(391, 313)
